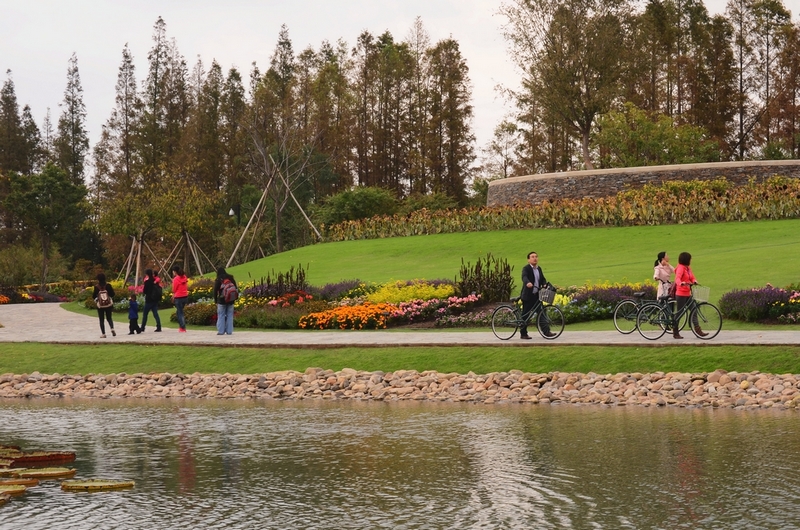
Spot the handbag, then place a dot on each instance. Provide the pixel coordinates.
(673, 288)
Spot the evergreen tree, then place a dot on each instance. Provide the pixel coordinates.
(72, 141)
(450, 148)
(117, 159)
(12, 135)
(787, 93)
(33, 151)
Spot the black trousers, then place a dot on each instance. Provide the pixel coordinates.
(134, 325)
(105, 314)
(527, 307)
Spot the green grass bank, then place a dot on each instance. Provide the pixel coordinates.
(22, 358)
(725, 255)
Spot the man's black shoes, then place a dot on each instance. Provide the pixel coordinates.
(526, 337)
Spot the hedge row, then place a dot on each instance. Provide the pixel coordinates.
(669, 203)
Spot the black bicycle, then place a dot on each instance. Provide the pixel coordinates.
(508, 318)
(653, 320)
(626, 310)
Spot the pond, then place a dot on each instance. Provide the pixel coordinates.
(268, 464)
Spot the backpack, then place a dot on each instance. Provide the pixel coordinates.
(156, 293)
(228, 293)
(103, 300)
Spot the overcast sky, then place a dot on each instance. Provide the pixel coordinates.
(37, 38)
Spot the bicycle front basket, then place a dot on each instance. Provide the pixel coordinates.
(701, 293)
(547, 296)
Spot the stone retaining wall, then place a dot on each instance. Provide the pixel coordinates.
(532, 189)
(715, 389)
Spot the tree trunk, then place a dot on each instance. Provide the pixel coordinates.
(45, 260)
(587, 159)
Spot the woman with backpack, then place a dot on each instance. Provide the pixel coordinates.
(152, 296)
(225, 293)
(103, 295)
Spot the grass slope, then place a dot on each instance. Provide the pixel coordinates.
(24, 358)
(725, 255)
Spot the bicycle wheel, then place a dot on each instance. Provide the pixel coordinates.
(504, 322)
(625, 316)
(652, 321)
(550, 322)
(709, 320)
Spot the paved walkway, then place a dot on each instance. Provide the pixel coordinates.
(50, 323)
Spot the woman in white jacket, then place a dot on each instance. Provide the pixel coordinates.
(662, 272)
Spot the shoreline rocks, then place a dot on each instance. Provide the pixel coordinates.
(752, 390)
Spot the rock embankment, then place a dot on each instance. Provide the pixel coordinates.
(714, 389)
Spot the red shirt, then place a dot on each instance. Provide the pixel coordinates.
(180, 286)
(683, 274)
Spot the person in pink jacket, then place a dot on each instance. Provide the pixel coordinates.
(180, 295)
(684, 278)
(662, 272)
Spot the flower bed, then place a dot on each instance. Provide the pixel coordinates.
(762, 304)
(365, 316)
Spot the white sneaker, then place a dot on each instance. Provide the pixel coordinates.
(103, 336)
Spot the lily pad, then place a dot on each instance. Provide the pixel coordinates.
(12, 489)
(19, 481)
(96, 485)
(47, 472)
(40, 457)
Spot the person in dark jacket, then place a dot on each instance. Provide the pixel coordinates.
(104, 313)
(224, 309)
(133, 316)
(151, 287)
(532, 280)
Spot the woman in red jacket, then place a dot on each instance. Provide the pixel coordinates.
(180, 295)
(684, 278)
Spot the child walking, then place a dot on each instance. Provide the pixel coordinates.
(133, 316)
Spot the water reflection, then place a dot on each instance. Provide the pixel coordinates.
(411, 465)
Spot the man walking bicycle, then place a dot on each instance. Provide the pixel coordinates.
(532, 281)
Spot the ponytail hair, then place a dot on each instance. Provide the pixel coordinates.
(659, 258)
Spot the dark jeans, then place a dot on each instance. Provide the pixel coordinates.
(682, 301)
(105, 314)
(151, 306)
(180, 303)
(134, 325)
(527, 307)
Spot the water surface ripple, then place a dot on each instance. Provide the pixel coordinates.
(215, 464)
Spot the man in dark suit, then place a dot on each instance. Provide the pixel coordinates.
(532, 280)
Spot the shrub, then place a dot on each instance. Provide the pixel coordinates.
(477, 319)
(201, 289)
(335, 291)
(201, 314)
(752, 305)
(276, 317)
(597, 302)
(278, 284)
(359, 203)
(401, 291)
(489, 277)
(669, 203)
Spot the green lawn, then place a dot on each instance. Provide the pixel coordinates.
(725, 255)
(133, 358)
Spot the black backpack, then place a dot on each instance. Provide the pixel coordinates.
(156, 293)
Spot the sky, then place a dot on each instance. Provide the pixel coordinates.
(38, 37)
